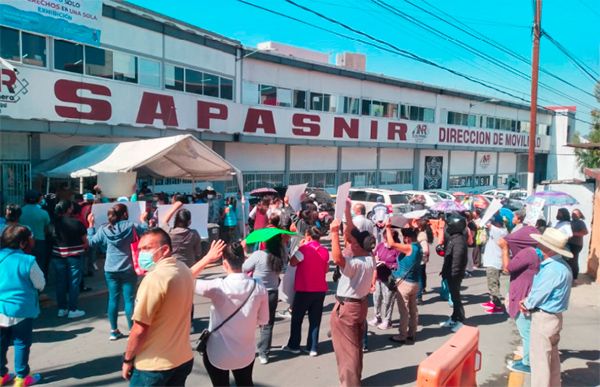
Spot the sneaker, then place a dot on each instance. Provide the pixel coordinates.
(419, 300)
(457, 325)
(495, 310)
(448, 323)
(6, 379)
(374, 321)
(62, 312)
(28, 380)
(365, 349)
(488, 305)
(263, 359)
(291, 350)
(284, 314)
(313, 354)
(115, 335)
(518, 366)
(75, 313)
(384, 325)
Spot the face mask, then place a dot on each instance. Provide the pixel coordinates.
(145, 260)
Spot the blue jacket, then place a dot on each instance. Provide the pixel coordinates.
(117, 241)
(19, 296)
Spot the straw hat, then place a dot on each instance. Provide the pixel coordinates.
(555, 240)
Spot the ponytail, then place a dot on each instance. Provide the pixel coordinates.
(117, 213)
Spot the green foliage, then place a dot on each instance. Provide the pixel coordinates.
(591, 158)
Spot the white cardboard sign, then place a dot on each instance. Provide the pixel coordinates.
(340, 200)
(494, 207)
(199, 214)
(134, 210)
(294, 194)
(534, 211)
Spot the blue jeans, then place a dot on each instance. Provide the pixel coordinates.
(524, 326)
(20, 336)
(68, 277)
(311, 302)
(120, 282)
(173, 377)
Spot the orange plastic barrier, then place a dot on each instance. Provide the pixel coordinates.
(453, 364)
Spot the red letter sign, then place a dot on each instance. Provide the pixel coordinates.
(259, 119)
(306, 125)
(340, 126)
(397, 128)
(148, 109)
(66, 91)
(208, 111)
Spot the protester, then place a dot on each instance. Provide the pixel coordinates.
(158, 349)
(383, 296)
(575, 244)
(541, 225)
(522, 267)
(258, 215)
(214, 205)
(241, 299)
(407, 281)
(350, 310)
(492, 261)
(310, 285)
(38, 220)
(230, 220)
(185, 241)
(379, 217)
(12, 213)
(266, 266)
(517, 220)
(547, 300)
(453, 270)
(90, 254)
(480, 238)
(360, 220)
(563, 224)
(470, 231)
(20, 282)
(116, 238)
(425, 238)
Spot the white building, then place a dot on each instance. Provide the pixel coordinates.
(279, 118)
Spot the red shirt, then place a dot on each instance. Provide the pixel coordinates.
(311, 271)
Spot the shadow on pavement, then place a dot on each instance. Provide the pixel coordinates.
(406, 375)
(51, 336)
(588, 376)
(100, 366)
(486, 319)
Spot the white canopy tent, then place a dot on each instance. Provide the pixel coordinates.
(182, 156)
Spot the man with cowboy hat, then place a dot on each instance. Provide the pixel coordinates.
(548, 298)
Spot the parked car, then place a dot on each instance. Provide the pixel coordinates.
(396, 202)
(430, 197)
(444, 195)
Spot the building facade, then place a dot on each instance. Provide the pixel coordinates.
(280, 119)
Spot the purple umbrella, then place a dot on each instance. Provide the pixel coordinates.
(553, 198)
(447, 206)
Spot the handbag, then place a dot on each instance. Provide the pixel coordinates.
(135, 253)
(202, 341)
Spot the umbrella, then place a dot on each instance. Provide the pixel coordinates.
(418, 214)
(553, 198)
(263, 191)
(447, 206)
(480, 201)
(264, 234)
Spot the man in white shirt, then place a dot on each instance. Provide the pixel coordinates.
(360, 220)
(350, 311)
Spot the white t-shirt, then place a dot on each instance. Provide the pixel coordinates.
(565, 227)
(356, 278)
(492, 256)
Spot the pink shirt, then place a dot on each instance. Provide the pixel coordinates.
(311, 271)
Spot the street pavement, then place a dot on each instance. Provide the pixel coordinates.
(78, 352)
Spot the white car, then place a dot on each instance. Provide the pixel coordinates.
(396, 202)
(515, 194)
(444, 195)
(430, 197)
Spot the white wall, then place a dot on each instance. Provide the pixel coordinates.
(486, 169)
(255, 157)
(132, 38)
(198, 56)
(461, 163)
(507, 162)
(393, 158)
(562, 161)
(312, 158)
(359, 159)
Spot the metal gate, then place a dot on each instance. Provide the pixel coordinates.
(15, 179)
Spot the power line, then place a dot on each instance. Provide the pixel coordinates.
(582, 66)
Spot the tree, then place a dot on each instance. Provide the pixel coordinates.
(591, 158)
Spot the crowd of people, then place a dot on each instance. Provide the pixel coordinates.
(155, 267)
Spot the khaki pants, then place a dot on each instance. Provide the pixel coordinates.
(407, 306)
(543, 351)
(347, 331)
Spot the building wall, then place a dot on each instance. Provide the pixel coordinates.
(562, 161)
(256, 157)
(313, 158)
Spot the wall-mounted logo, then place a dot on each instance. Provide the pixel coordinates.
(420, 132)
(12, 87)
(485, 161)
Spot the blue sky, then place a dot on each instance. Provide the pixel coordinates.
(575, 24)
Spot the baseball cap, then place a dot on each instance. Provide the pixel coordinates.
(88, 196)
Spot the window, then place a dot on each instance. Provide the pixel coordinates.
(98, 62)
(34, 49)
(68, 56)
(351, 105)
(329, 103)
(399, 199)
(404, 112)
(284, 97)
(360, 178)
(463, 119)
(173, 77)
(226, 88)
(268, 95)
(394, 177)
(300, 99)
(365, 107)
(250, 93)
(10, 43)
(316, 101)
(460, 181)
(314, 179)
(193, 81)
(377, 108)
(125, 67)
(210, 84)
(483, 180)
(149, 72)
(358, 195)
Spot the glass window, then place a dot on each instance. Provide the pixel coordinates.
(9, 44)
(193, 81)
(316, 101)
(404, 112)
(358, 195)
(34, 49)
(329, 103)
(460, 181)
(210, 83)
(249, 93)
(173, 77)
(125, 67)
(98, 62)
(149, 72)
(268, 95)
(415, 113)
(351, 105)
(68, 56)
(284, 97)
(366, 107)
(300, 99)
(399, 199)
(472, 120)
(377, 108)
(226, 88)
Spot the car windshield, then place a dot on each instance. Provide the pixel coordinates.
(399, 199)
(519, 195)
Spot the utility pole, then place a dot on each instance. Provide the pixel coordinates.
(535, 61)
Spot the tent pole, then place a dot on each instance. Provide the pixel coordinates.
(81, 185)
(47, 185)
